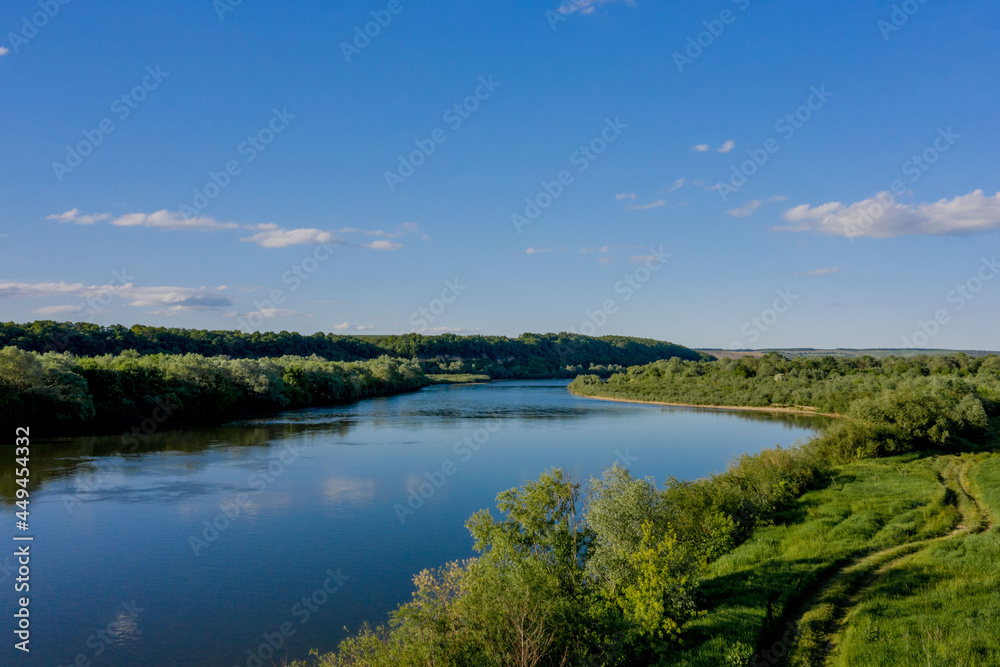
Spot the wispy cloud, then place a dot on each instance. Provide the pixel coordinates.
(821, 272)
(273, 236)
(882, 217)
(678, 184)
(625, 195)
(383, 245)
(750, 207)
(602, 249)
(58, 310)
(271, 313)
(172, 221)
(268, 235)
(172, 299)
(74, 217)
(164, 220)
(4, 50)
(588, 6)
(700, 148)
(728, 146)
(646, 207)
(353, 327)
(537, 251)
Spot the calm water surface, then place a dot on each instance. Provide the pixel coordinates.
(128, 568)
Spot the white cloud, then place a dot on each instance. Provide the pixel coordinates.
(165, 220)
(728, 146)
(172, 221)
(267, 235)
(347, 325)
(173, 299)
(271, 313)
(57, 310)
(625, 195)
(587, 6)
(700, 148)
(73, 216)
(882, 217)
(383, 245)
(829, 271)
(273, 236)
(537, 251)
(604, 249)
(646, 207)
(4, 50)
(751, 206)
(678, 184)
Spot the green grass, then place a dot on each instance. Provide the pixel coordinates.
(757, 589)
(941, 605)
(460, 378)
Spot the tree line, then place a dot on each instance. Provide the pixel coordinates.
(60, 391)
(528, 356)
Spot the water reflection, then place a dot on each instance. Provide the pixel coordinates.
(272, 502)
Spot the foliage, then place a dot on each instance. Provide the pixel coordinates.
(529, 356)
(61, 390)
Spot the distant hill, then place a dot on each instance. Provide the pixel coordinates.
(878, 353)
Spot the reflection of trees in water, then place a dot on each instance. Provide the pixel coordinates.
(66, 457)
(789, 420)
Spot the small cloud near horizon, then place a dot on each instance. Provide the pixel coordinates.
(646, 207)
(829, 271)
(750, 207)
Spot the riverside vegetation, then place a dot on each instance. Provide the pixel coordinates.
(530, 356)
(79, 376)
(874, 543)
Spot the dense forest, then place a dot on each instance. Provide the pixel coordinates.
(59, 391)
(529, 356)
(623, 571)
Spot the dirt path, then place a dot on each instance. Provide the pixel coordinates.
(822, 618)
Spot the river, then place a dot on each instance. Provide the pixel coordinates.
(199, 546)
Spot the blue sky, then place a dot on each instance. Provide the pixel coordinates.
(717, 168)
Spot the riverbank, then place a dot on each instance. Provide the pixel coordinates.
(796, 410)
(892, 552)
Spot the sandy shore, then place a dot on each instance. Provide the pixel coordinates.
(798, 410)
